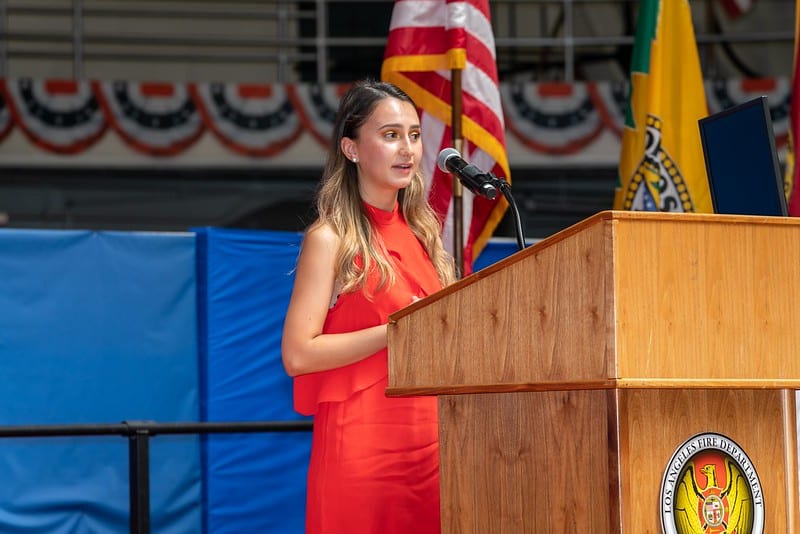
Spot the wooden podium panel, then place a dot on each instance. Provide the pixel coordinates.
(703, 298)
(569, 373)
(558, 461)
(526, 462)
(653, 423)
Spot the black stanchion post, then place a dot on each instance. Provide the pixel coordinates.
(139, 462)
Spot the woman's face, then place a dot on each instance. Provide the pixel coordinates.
(388, 150)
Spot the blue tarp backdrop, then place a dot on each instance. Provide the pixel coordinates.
(101, 327)
(254, 482)
(494, 251)
(96, 327)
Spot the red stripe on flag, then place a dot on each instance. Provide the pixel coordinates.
(794, 197)
(416, 41)
(488, 119)
(441, 193)
(482, 58)
(441, 189)
(792, 176)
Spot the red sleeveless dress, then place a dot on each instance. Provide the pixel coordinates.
(374, 459)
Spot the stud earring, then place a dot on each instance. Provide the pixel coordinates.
(355, 160)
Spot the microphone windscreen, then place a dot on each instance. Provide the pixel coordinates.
(444, 155)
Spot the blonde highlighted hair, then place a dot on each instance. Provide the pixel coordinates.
(339, 202)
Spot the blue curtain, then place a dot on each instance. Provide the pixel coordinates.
(254, 482)
(96, 327)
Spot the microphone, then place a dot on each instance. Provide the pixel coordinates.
(474, 179)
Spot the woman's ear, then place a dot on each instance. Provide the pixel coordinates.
(349, 149)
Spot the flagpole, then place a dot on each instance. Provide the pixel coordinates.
(458, 192)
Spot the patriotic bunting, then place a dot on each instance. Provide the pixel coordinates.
(317, 105)
(58, 116)
(165, 119)
(6, 124)
(254, 120)
(610, 100)
(553, 118)
(158, 119)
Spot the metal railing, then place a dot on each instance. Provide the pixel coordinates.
(139, 434)
(274, 40)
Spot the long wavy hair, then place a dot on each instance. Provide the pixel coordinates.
(339, 202)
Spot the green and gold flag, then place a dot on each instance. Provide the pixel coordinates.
(661, 165)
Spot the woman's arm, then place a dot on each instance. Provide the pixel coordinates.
(304, 348)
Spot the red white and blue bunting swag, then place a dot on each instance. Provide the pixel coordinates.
(261, 121)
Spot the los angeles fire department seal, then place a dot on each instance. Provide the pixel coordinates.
(710, 486)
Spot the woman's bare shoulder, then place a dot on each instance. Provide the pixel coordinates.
(322, 233)
(321, 238)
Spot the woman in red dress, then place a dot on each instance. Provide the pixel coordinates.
(375, 249)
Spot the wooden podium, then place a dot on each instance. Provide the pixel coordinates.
(570, 373)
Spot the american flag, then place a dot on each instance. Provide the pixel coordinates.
(427, 39)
